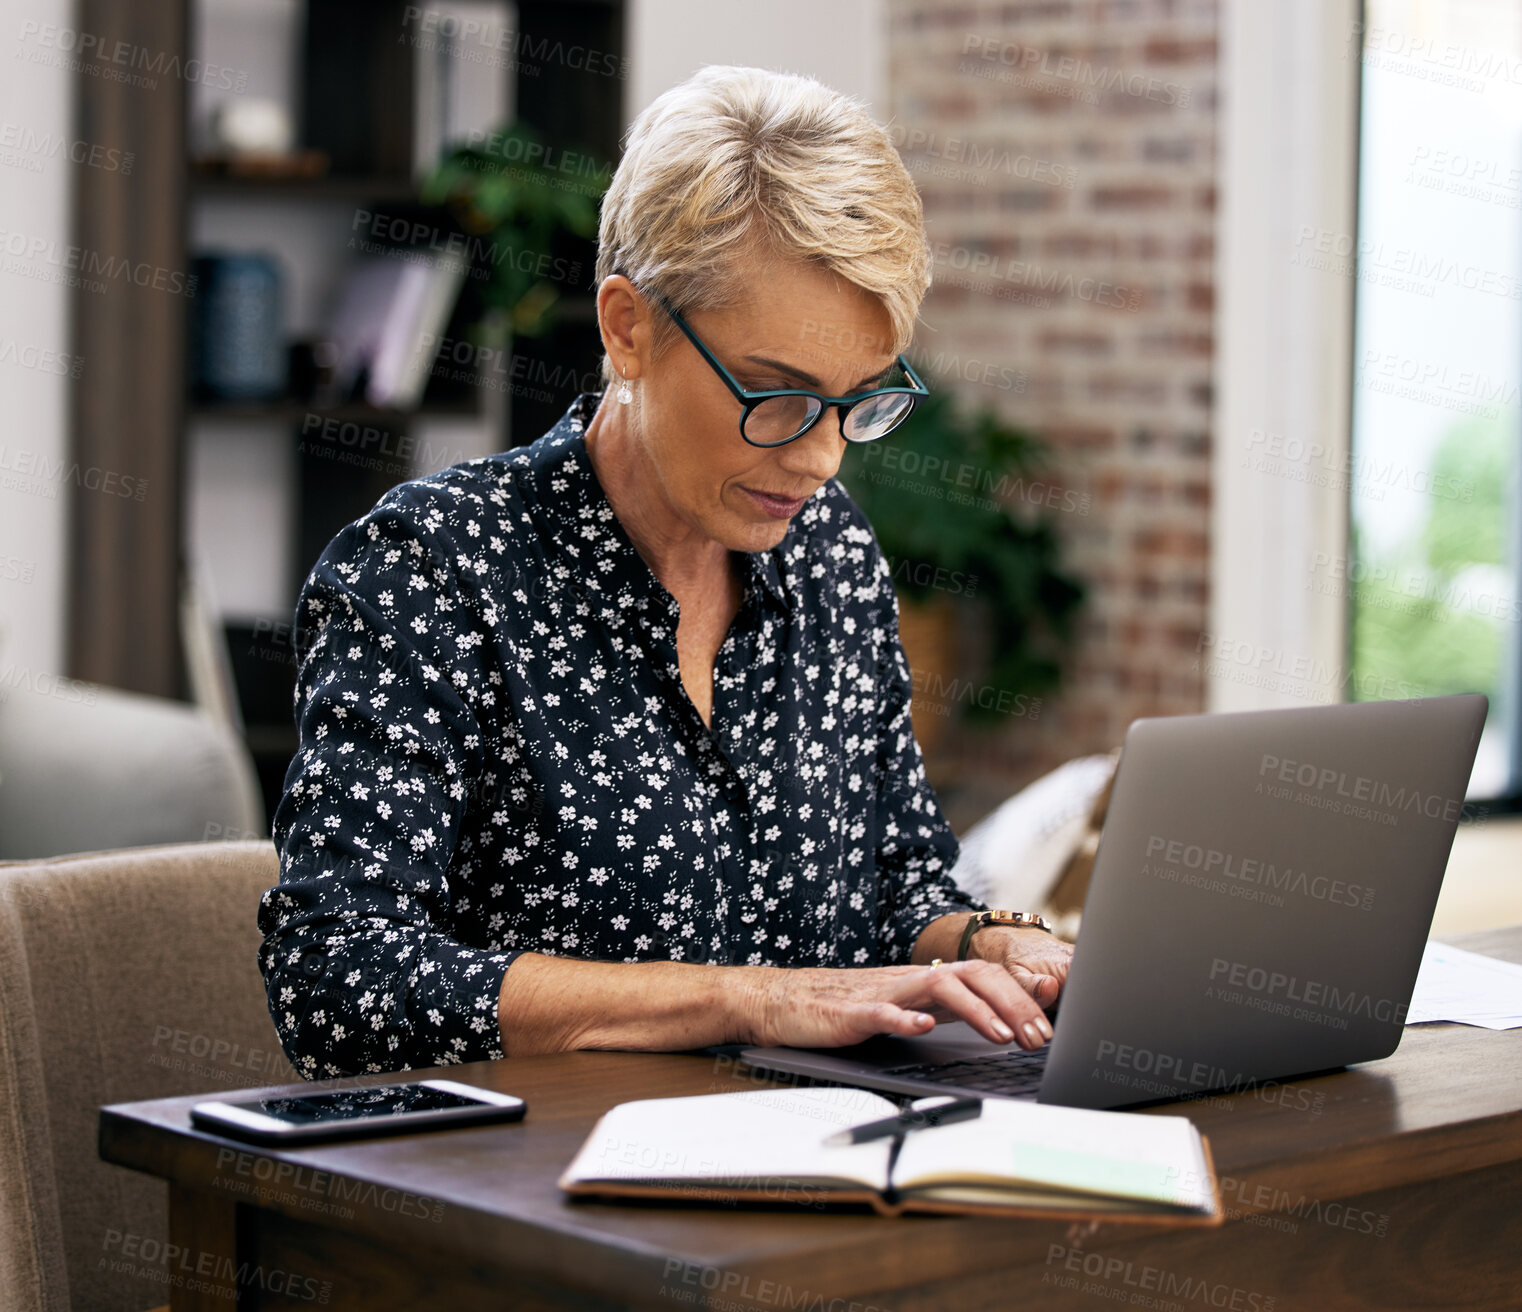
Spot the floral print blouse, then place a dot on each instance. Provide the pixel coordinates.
(497, 755)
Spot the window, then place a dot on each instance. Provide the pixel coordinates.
(1432, 572)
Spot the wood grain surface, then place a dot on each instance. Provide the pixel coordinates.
(1393, 1185)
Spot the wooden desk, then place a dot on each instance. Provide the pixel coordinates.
(1396, 1185)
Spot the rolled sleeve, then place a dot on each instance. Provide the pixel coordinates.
(361, 971)
(916, 848)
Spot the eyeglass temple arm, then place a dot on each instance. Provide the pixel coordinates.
(746, 398)
(730, 382)
(914, 378)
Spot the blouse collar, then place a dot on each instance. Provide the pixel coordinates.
(591, 536)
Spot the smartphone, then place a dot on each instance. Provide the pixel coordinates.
(358, 1113)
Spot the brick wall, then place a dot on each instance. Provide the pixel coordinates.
(1065, 150)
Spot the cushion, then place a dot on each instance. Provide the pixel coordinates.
(124, 974)
(84, 768)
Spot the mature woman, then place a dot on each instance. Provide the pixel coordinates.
(605, 741)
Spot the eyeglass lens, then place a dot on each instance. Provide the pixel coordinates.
(875, 416)
(780, 418)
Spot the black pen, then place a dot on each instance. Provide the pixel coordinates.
(958, 1109)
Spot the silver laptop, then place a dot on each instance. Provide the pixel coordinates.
(1263, 889)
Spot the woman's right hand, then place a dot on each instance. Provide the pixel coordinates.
(821, 1007)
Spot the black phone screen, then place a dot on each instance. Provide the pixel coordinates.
(358, 1104)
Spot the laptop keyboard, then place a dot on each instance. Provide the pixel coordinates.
(1013, 1074)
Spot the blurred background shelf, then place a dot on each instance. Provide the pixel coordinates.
(363, 187)
(247, 493)
(343, 412)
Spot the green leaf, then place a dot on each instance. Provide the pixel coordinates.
(967, 493)
(515, 204)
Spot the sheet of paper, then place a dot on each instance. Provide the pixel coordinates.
(1456, 985)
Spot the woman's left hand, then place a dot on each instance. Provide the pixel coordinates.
(1038, 961)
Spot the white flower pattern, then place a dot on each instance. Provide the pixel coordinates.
(535, 777)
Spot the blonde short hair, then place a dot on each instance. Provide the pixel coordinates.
(736, 161)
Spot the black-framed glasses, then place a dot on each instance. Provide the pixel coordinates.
(780, 415)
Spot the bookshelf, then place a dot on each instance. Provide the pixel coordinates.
(250, 492)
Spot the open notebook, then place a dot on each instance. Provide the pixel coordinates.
(1015, 1159)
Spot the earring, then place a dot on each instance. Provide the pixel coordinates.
(624, 394)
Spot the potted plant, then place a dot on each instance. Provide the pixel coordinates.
(503, 193)
(965, 513)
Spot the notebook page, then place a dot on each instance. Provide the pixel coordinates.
(1041, 1199)
(1113, 1154)
(737, 1139)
